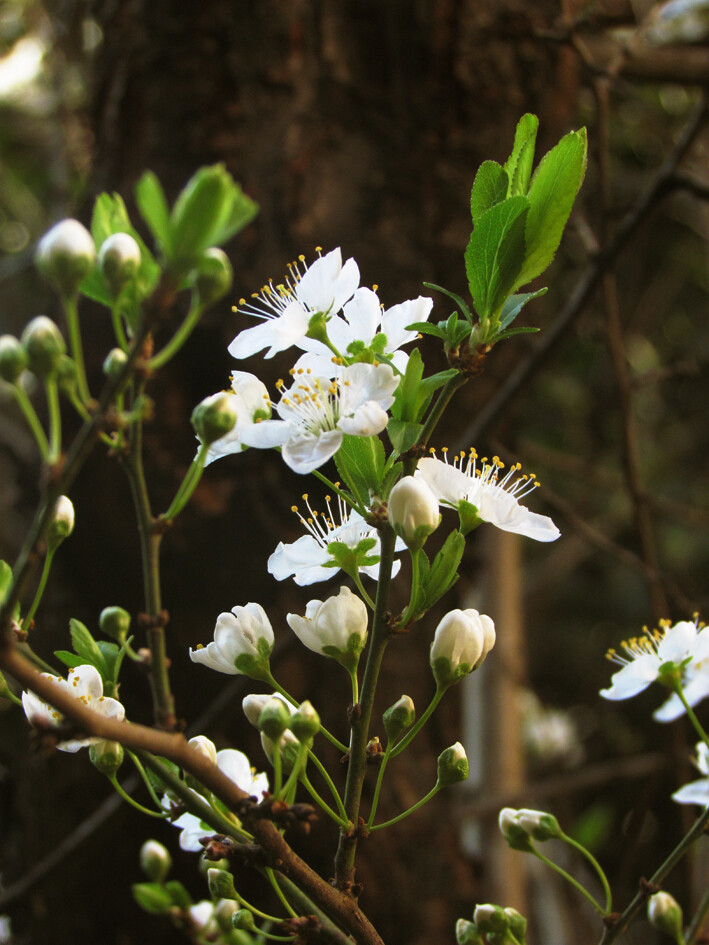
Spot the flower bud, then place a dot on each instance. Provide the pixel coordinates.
(336, 627)
(155, 861)
(305, 722)
(223, 914)
(539, 825)
(13, 358)
(204, 746)
(452, 766)
(114, 622)
(491, 919)
(119, 260)
(221, 884)
(665, 914)
(66, 374)
(399, 717)
(413, 511)
(243, 919)
(107, 757)
(273, 719)
(288, 746)
(462, 640)
(243, 640)
(518, 924)
(62, 523)
(214, 276)
(66, 254)
(214, 417)
(466, 933)
(44, 346)
(254, 703)
(152, 898)
(513, 833)
(114, 362)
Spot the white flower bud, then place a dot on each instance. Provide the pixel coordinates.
(413, 511)
(273, 719)
(452, 766)
(665, 914)
(214, 275)
(538, 825)
(66, 254)
(119, 259)
(243, 640)
(62, 523)
(336, 627)
(214, 417)
(253, 705)
(114, 362)
(305, 722)
(466, 933)
(491, 919)
(155, 861)
(204, 746)
(461, 642)
(511, 830)
(399, 717)
(44, 345)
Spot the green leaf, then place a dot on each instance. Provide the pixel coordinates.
(514, 305)
(5, 579)
(155, 779)
(154, 210)
(360, 463)
(461, 303)
(177, 892)
(496, 253)
(519, 164)
(403, 434)
(69, 659)
(404, 406)
(85, 647)
(113, 657)
(243, 211)
(426, 329)
(489, 188)
(551, 196)
(510, 332)
(152, 897)
(444, 571)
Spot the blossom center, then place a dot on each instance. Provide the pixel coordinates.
(484, 472)
(272, 300)
(311, 402)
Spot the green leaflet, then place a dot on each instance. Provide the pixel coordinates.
(496, 253)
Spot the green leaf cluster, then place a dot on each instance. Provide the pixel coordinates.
(105, 655)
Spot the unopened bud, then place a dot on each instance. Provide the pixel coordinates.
(107, 757)
(224, 912)
(413, 511)
(119, 260)
(665, 914)
(491, 919)
(13, 358)
(66, 254)
(62, 523)
(66, 374)
(114, 362)
(214, 417)
(518, 924)
(273, 719)
(214, 275)
(155, 861)
(305, 722)
(399, 717)
(452, 766)
(511, 830)
(221, 884)
(466, 933)
(44, 346)
(243, 919)
(204, 746)
(539, 825)
(114, 623)
(153, 898)
(462, 640)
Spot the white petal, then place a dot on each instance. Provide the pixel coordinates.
(447, 483)
(303, 554)
(633, 678)
(251, 340)
(396, 318)
(363, 314)
(268, 433)
(306, 452)
(670, 710)
(676, 642)
(367, 420)
(696, 792)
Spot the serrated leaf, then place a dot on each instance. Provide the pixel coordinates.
(461, 303)
(514, 305)
(85, 647)
(243, 211)
(426, 329)
(509, 332)
(489, 188)
(403, 434)
(5, 579)
(496, 253)
(153, 207)
(404, 406)
(519, 164)
(363, 458)
(444, 570)
(551, 196)
(69, 659)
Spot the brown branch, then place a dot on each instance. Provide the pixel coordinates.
(341, 908)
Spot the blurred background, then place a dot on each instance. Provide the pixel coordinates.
(360, 124)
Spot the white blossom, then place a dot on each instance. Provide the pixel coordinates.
(696, 792)
(243, 640)
(335, 627)
(495, 499)
(462, 640)
(413, 511)
(250, 402)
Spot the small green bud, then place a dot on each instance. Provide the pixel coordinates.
(273, 719)
(152, 898)
(224, 912)
(243, 919)
(62, 523)
(213, 276)
(514, 834)
(13, 358)
(539, 825)
(114, 362)
(119, 260)
(452, 766)
(466, 933)
(221, 884)
(65, 255)
(518, 924)
(107, 757)
(413, 511)
(204, 866)
(665, 914)
(114, 622)
(399, 717)
(491, 919)
(155, 861)
(305, 722)
(66, 374)
(44, 346)
(214, 417)
(200, 211)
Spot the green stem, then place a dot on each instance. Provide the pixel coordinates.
(597, 867)
(444, 398)
(415, 582)
(355, 685)
(180, 336)
(343, 495)
(277, 769)
(568, 878)
(378, 787)
(146, 780)
(133, 803)
(279, 892)
(30, 414)
(330, 783)
(72, 322)
(641, 897)
(697, 922)
(416, 728)
(262, 915)
(55, 419)
(118, 327)
(403, 814)
(358, 582)
(188, 485)
(286, 695)
(359, 736)
(27, 620)
(294, 776)
(341, 821)
(691, 715)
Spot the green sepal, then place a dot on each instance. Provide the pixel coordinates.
(361, 463)
(466, 933)
(5, 580)
(177, 893)
(468, 516)
(519, 164)
(514, 304)
(350, 560)
(496, 253)
(445, 675)
(152, 897)
(490, 187)
(349, 657)
(153, 208)
(256, 667)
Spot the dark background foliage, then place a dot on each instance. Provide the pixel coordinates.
(360, 124)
